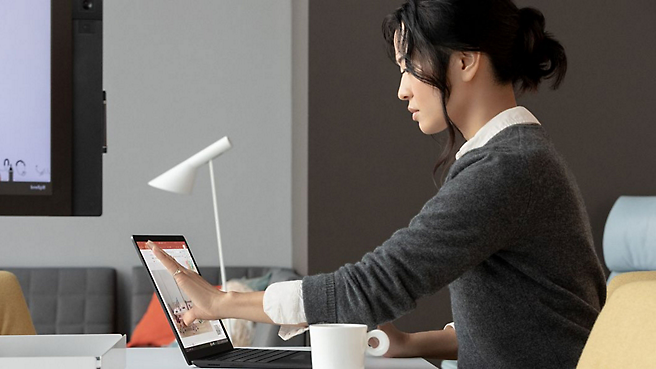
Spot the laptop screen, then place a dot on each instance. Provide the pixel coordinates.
(200, 334)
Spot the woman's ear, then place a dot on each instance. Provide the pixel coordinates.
(468, 64)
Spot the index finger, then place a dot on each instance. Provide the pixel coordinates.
(167, 260)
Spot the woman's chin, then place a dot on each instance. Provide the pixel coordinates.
(431, 128)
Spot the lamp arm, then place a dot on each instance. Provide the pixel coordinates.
(209, 153)
(218, 230)
(224, 282)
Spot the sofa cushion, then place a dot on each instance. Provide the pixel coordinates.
(153, 330)
(69, 300)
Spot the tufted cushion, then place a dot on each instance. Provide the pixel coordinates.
(69, 300)
(630, 235)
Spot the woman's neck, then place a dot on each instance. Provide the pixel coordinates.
(486, 103)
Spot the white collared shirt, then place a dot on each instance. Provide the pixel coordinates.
(503, 120)
(283, 301)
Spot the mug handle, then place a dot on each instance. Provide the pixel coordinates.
(383, 343)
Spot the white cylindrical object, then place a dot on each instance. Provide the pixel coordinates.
(209, 153)
(224, 282)
(344, 345)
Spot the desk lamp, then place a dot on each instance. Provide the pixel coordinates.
(180, 179)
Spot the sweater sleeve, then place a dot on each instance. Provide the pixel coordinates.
(477, 211)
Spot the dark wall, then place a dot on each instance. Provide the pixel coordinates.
(603, 119)
(369, 165)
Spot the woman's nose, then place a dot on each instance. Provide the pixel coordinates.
(404, 90)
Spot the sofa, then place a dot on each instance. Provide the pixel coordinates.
(69, 300)
(84, 300)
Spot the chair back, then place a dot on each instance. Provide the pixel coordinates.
(630, 235)
(624, 334)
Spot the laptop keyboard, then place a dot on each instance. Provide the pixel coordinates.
(253, 355)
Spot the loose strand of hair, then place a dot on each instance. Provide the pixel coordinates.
(443, 159)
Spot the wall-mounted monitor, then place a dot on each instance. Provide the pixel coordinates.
(52, 107)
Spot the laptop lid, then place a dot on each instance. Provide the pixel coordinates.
(201, 339)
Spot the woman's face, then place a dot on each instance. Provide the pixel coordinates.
(424, 101)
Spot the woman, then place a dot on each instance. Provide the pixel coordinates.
(507, 231)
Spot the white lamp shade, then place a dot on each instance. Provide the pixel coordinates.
(179, 179)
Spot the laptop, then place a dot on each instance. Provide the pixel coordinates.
(204, 343)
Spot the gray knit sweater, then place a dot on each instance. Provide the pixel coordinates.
(509, 234)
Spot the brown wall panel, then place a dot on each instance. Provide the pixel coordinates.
(369, 164)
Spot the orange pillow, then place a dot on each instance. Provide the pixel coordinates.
(153, 329)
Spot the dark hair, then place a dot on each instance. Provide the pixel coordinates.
(519, 48)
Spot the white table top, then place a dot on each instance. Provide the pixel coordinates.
(171, 358)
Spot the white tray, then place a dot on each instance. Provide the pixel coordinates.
(83, 351)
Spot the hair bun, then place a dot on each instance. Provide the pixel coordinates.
(538, 54)
(531, 27)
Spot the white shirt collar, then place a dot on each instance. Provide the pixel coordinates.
(503, 120)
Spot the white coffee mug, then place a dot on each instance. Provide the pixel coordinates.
(343, 346)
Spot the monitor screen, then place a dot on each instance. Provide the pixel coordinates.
(52, 107)
(25, 97)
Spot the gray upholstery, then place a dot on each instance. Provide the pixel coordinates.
(266, 335)
(69, 300)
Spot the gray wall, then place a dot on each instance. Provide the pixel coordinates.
(369, 165)
(180, 75)
(300, 12)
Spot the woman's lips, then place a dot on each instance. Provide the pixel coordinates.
(413, 112)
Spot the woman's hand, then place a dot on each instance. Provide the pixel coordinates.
(208, 302)
(204, 296)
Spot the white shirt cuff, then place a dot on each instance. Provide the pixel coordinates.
(288, 331)
(283, 303)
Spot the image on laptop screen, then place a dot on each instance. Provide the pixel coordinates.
(201, 333)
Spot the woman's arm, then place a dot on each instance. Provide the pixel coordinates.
(477, 212)
(440, 344)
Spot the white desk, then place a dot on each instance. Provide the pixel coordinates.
(171, 358)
